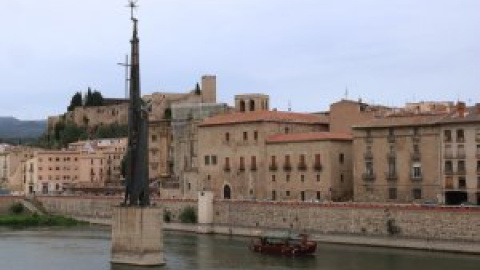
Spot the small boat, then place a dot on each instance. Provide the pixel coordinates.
(284, 245)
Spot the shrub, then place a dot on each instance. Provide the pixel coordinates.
(167, 216)
(17, 208)
(188, 215)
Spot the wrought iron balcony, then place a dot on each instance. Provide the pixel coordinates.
(416, 156)
(302, 167)
(448, 171)
(227, 168)
(368, 176)
(368, 155)
(287, 167)
(318, 167)
(414, 177)
(273, 167)
(461, 171)
(253, 168)
(461, 155)
(391, 176)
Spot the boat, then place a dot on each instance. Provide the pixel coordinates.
(284, 245)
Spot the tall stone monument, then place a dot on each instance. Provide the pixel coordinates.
(137, 233)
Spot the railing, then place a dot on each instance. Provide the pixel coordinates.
(416, 156)
(448, 172)
(448, 155)
(461, 155)
(368, 176)
(317, 167)
(227, 168)
(273, 167)
(391, 138)
(302, 167)
(368, 155)
(253, 168)
(287, 167)
(391, 176)
(369, 140)
(414, 177)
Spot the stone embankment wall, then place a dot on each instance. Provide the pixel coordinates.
(409, 221)
(6, 202)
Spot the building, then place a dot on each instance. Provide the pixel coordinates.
(310, 166)
(232, 150)
(396, 159)
(460, 155)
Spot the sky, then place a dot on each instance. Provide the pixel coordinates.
(306, 53)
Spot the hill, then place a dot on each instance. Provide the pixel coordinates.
(12, 128)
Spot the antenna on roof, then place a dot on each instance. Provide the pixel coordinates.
(346, 92)
(289, 105)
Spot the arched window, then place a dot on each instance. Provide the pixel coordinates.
(252, 105)
(227, 192)
(242, 105)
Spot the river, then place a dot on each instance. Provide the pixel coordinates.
(89, 249)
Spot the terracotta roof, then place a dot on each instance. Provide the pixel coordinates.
(472, 115)
(403, 120)
(307, 137)
(264, 116)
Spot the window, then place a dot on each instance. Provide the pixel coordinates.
(478, 166)
(227, 164)
(274, 178)
(273, 163)
(207, 160)
(318, 177)
(274, 195)
(287, 193)
(302, 178)
(318, 163)
(254, 163)
(461, 167)
(287, 177)
(214, 160)
(341, 178)
(318, 195)
(154, 138)
(462, 183)
(417, 193)
(242, 163)
(416, 171)
(461, 151)
(392, 193)
(341, 158)
(392, 168)
(302, 196)
(255, 135)
(369, 168)
(287, 130)
(477, 135)
(447, 135)
(245, 136)
(478, 150)
(302, 165)
(478, 182)
(448, 167)
(460, 135)
(227, 137)
(287, 166)
(449, 182)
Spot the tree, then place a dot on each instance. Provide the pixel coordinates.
(88, 98)
(72, 133)
(97, 99)
(75, 102)
(197, 89)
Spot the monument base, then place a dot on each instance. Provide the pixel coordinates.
(137, 236)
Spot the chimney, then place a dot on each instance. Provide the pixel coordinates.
(461, 109)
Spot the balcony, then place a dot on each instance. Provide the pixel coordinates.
(391, 176)
(414, 177)
(461, 155)
(273, 167)
(302, 167)
(369, 140)
(448, 155)
(368, 176)
(241, 168)
(392, 155)
(287, 167)
(448, 172)
(368, 155)
(253, 168)
(227, 168)
(478, 155)
(415, 156)
(416, 138)
(318, 167)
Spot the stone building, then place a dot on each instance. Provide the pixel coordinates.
(347, 113)
(460, 155)
(12, 161)
(396, 159)
(86, 167)
(233, 161)
(310, 166)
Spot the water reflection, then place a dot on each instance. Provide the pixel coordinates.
(89, 249)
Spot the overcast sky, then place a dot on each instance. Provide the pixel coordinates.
(303, 51)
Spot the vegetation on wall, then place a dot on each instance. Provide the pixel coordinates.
(188, 215)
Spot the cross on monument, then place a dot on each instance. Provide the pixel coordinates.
(132, 4)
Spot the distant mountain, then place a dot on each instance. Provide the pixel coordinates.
(11, 127)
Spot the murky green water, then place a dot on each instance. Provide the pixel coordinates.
(89, 249)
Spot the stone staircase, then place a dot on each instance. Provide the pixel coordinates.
(34, 206)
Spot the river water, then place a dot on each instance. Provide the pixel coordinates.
(89, 249)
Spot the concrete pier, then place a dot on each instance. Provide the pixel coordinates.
(137, 236)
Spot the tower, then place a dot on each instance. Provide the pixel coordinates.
(209, 89)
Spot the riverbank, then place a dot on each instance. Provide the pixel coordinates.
(462, 247)
(34, 220)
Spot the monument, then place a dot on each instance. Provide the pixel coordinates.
(137, 235)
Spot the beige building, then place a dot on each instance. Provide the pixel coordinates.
(232, 151)
(14, 159)
(460, 155)
(87, 167)
(396, 159)
(310, 166)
